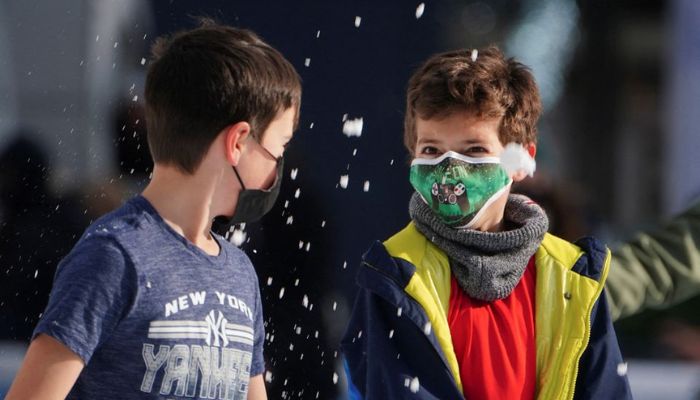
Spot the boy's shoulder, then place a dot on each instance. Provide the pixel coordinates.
(586, 256)
(131, 217)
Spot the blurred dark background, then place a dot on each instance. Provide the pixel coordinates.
(617, 150)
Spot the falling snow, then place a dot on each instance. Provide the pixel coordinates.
(281, 292)
(305, 301)
(238, 237)
(622, 369)
(293, 173)
(335, 378)
(419, 10)
(307, 62)
(344, 181)
(358, 20)
(415, 385)
(366, 187)
(353, 127)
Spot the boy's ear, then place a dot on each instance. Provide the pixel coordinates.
(235, 136)
(531, 149)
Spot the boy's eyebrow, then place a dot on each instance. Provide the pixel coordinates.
(434, 141)
(472, 141)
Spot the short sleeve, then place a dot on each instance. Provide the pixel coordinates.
(92, 291)
(258, 366)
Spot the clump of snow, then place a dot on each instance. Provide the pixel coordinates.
(344, 181)
(238, 237)
(415, 385)
(419, 10)
(353, 127)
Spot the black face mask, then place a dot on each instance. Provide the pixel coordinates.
(252, 204)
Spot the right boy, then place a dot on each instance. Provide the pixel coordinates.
(474, 299)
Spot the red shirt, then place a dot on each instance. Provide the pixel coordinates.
(495, 341)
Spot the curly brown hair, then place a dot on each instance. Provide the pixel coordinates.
(491, 86)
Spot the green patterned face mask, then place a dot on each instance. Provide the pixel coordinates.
(459, 188)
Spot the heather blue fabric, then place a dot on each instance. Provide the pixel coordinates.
(152, 315)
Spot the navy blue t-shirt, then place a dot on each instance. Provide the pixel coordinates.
(152, 315)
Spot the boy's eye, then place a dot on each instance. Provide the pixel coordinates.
(476, 150)
(429, 150)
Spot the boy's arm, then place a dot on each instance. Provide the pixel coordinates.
(602, 373)
(48, 372)
(256, 388)
(657, 269)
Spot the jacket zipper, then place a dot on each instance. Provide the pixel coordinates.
(589, 325)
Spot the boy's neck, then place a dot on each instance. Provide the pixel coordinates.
(185, 202)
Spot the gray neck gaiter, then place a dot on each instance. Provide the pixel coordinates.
(487, 265)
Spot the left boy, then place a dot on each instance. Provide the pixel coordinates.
(150, 303)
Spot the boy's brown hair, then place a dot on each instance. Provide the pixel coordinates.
(490, 86)
(202, 80)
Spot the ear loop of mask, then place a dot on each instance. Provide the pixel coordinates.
(277, 159)
(239, 177)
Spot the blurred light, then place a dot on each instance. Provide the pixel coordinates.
(478, 18)
(544, 41)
